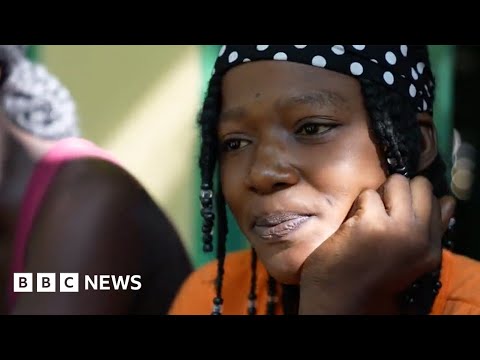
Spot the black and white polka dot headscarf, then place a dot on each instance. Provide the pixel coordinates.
(403, 68)
(34, 99)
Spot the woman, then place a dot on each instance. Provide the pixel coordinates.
(66, 206)
(328, 160)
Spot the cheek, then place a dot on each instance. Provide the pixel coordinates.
(341, 171)
(334, 178)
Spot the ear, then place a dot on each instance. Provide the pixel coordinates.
(429, 148)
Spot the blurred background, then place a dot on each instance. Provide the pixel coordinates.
(141, 102)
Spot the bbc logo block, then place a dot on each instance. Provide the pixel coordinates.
(70, 282)
(22, 282)
(45, 282)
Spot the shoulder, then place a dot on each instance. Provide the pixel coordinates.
(92, 205)
(91, 171)
(80, 162)
(460, 293)
(91, 180)
(100, 201)
(89, 205)
(96, 218)
(83, 225)
(197, 292)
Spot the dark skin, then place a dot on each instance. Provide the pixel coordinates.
(95, 219)
(295, 139)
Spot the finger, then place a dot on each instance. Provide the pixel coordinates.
(435, 218)
(422, 199)
(447, 208)
(435, 234)
(397, 197)
(368, 203)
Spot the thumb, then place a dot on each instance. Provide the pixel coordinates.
(369, 201)
(447, 209)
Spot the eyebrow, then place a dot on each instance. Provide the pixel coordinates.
(233, 114)
(320, 98)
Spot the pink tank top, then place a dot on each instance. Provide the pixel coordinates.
(42, 176)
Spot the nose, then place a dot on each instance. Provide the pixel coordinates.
(271, 170)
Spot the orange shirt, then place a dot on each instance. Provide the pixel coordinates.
(459, 295)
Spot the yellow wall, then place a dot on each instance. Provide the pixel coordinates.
(140, 102)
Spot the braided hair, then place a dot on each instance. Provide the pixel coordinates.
(396, 131)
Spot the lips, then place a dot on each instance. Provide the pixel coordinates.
(279, 225)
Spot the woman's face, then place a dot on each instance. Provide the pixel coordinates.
(296, 152)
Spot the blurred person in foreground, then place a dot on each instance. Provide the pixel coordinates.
(68, 206)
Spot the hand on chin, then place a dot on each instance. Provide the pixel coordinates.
(284, 260)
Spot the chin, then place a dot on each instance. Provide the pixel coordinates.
(285, 263)
(286, 266)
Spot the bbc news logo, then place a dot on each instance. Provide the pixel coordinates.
(69, 282)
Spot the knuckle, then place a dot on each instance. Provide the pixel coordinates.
(368, 195)
(398, 178)
(349, 225)
(421, 181)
